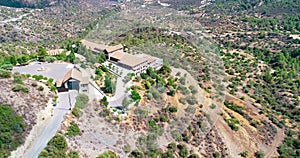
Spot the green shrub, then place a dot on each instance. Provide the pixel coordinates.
(182, 80)
(236, 108)
(176, 135)
(182, 100)
(183, 151)
(59, 142)
(136, 154)
(163, 118)
(190, 109)
(104, 68)
(38, 77)
(61, 56)
(50, 81)
(213, 106)
(259, 154)
(172, 109)
(141, 112)
(76, 112)
(41, 88)
(81, 101)
(56, 146)
(73, 154)
(148, 96)
(104, 101)
(53, 88)
(216, 154)
(232, 123)
(128, 77)
(191, 100)
(108, 154)
(254, 123)
(144, 76)
(147, 85)
(12, 126)
(98, 72)
(244, 154)
(50, 59)
(5, 73)
(135, 96)
(73, 129)
(18, 79)
(104, 113)
(172, 92)
(34, 84)
(108, 86)
(171, 82)
(194, 156)
(18, 88)
(156, 95)
(127, 148)
(8, 67)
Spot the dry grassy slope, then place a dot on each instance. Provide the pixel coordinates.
(26, 105)
(249, 138)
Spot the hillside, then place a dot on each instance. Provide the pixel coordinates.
(21, 101)
(27, 3)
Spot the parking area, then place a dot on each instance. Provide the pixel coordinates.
(50, 70)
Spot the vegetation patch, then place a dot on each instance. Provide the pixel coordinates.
(73, 129)
(57, 147)
(20, 88)
(11, 131)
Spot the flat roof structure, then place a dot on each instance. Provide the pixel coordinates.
(111, 49)
(93, 46)
(131, 60)
(149, 58)
(117, 55)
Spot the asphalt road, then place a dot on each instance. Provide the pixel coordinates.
(54, 124)
(120, 93)
(121, 88)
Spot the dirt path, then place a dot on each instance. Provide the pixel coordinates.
(272, 152)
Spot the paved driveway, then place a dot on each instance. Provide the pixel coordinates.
(50, 70)
(121, 87)
(54, 124)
